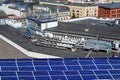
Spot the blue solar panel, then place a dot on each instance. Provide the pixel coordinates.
(116, 66)
(24, 60)
(40, 73)
(58, 78)
(30, 68)
(9, 78)
(24, 74)
(86, 62)
(40, 63)
(86, 72)
(54, 72)
(7, 63)
(73, 67)
(42, 68)
(116, 77)
(6, 68)
(89, 67)
(101, 62)
(114, 62)
(101, 72)
(104, 76)
(26, 78)
(71, 63)
(71, 72)
(89, 77)
(60, 69)
(24, 63)
(76, 77)
(7, 74)
(114, 71)
(43, 78)
(104, 67)
(56, 63)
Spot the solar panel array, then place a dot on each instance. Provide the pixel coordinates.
(60, 69)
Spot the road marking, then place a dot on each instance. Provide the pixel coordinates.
(88, 54)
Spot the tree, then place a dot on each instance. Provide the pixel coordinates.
(73, 15)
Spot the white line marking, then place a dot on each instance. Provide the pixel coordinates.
(88, 54)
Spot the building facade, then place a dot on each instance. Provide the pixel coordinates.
(109, 10)
(62, 13)
(84, 11)
(110, 1)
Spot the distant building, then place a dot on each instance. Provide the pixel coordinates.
(110, 1)
(31, 1)
(111, 10)
(102, 1)
(15, 8)
(81, 1)
(61, 12)
(83, 10)
(41, 21)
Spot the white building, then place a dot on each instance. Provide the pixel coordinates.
(9, 9)
(102, 1)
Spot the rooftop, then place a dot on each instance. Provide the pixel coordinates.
(54, 8)
(105, 29)
(71, 4)
(111, 5)
(15, 36)
(82, 4)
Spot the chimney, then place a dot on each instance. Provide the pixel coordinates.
(50, 12)
(117, 22)
(57, 10)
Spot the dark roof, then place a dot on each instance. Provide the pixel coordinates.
(110, 6)
(82, 4)
(54, 8)
(104, 29)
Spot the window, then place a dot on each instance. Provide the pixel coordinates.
(113, 12)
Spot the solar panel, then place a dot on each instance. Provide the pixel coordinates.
(60, 69)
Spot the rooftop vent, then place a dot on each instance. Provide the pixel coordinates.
(86, 29)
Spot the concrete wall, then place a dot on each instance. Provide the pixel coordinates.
(47, 25)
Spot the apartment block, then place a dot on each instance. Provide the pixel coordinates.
(83, 10)
(111, 10)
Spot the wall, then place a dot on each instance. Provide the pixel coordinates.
(48, 25)
(10, 11)
(109, 13)
(81, 11)
(13, 23)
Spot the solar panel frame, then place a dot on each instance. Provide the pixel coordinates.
(68, 69)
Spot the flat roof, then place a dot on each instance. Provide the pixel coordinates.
(111, 5)
(54, 8)
(15, 36)
(82, 4)
(89, 27)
